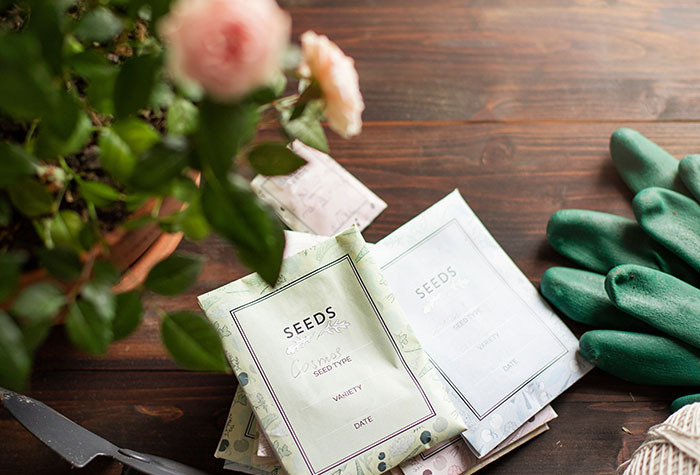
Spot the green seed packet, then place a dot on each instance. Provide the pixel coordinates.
(239, 441)
(329, 364)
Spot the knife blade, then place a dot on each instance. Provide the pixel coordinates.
(78, 445)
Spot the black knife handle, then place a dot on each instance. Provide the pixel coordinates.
(154, 465)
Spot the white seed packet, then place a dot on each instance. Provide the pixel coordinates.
(321, 197)
(330, 366)
(503, 354)
(454, 457)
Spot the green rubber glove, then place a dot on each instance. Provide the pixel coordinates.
(641, 163)
(671, 219)
(683, 400)
(581, 296)
(656, 311)
(601, 241)
(661, 301)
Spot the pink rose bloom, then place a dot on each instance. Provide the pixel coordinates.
(228, 47)
(336, 74)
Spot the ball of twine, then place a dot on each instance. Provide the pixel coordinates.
(672, 447)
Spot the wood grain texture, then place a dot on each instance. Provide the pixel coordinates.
(513, 175)
(516, 60)
(512, 102)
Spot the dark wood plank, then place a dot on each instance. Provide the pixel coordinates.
(510, 101)
(516, 60)
(180, 415)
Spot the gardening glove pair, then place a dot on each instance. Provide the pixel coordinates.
(648, 304)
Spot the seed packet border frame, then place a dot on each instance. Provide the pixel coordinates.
(390, 451)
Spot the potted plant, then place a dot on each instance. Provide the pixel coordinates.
(122, 120)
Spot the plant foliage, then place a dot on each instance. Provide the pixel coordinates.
(91, 129)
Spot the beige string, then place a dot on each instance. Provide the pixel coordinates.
(670, 448)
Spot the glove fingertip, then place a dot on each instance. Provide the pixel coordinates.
(618, 277)
(684, 401)
(648, 203)
(642, 163)
(689, 171)
(589, 347)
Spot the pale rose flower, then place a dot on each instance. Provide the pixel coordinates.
(336, 74)
(228, 47)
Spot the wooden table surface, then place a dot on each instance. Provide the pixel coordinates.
(512, 102)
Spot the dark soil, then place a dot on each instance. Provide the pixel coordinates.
(20, 234)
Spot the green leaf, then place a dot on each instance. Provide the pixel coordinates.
(34, 334)
(15, 361)
(100, 93)
(272, 91)
(26, 87)
(100, 89)
(192, 222)
(14, 164)
(91, 64)
(88, 328)
(31, 197)
(174, 274)
(71, 46)
(128, 314)
(162, 96)
(234, 211)
(311, 93)
(10, 271)
(223, 129)
(80, 137)
(88, 237)
(272, 159)
(63, 116)
(183, 189)
(136, 223)
(116, 155)
(306, 128)
(62, 263)
(160, 164)
(139, 135)
(99, 25)
(48, 145)
(104, 272)
(5, 212)
(134, 84)
(193, 342)
(159, 8)
(64, 230)
(27, 90)
(98, 193)
(44, 23)
(99, 290)
(182, 117)
(39, 302)
(135, 201)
